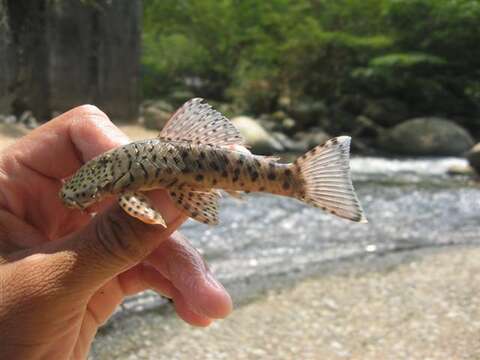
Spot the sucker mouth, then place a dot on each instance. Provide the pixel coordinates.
(73, 204)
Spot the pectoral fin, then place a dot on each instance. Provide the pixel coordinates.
(139, 206)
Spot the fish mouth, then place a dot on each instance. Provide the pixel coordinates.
(71, 203)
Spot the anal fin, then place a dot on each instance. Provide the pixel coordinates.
(139, 206)
(199, 205)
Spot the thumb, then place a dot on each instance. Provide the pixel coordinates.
(111, 243)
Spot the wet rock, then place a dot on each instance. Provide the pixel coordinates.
(155, 114)
(386, 112)
(256, 136)
(427, 136)
(473, 157)
(460, 169)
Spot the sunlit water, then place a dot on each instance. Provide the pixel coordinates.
(267, 241)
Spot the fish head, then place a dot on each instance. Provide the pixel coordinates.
(88, 184)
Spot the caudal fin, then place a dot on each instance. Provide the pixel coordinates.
(328, 185)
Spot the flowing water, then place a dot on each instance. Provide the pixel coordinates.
(269, 241)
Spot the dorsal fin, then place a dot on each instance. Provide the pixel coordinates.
(196, 121)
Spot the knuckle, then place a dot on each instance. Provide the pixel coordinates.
(119, 237)
(90, 110)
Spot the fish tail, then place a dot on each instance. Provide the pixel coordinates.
(325, 172)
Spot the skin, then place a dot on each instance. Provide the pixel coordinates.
(62, 272)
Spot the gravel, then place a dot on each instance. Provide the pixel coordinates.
(415, 305)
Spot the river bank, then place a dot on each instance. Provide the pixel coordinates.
(408, 305)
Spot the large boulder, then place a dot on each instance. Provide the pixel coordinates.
(256, 136)
(427, 136)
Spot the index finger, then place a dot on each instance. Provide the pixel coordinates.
(58, 148)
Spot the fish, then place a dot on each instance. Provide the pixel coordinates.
(200, 153)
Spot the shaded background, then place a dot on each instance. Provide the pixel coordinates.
(351, 66)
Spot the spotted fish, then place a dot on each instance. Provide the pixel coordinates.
(198, 153)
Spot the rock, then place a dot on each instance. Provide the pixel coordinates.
(284, 101)
(155, 119)
(314, 137)
(427, 136)
(289, 144)
(267, 122)
(155, 114)
(288, 125)
(366, 128)
(278, 121)
(279, 116)
(386, 112)
(473, 157)
(256, 136)
(28, 120)
(9, 119)
(459, 169)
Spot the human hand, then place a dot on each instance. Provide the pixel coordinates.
(62, 273)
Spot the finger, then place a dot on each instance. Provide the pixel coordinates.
(111, 243)
(185, 312)
(181, 263)
(58, 148)
(133, 281)
(156, 281)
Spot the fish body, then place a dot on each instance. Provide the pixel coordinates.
(200, 152)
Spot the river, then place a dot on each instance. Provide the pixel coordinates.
(269, 241)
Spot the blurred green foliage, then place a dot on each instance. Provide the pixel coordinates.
(255, 53)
